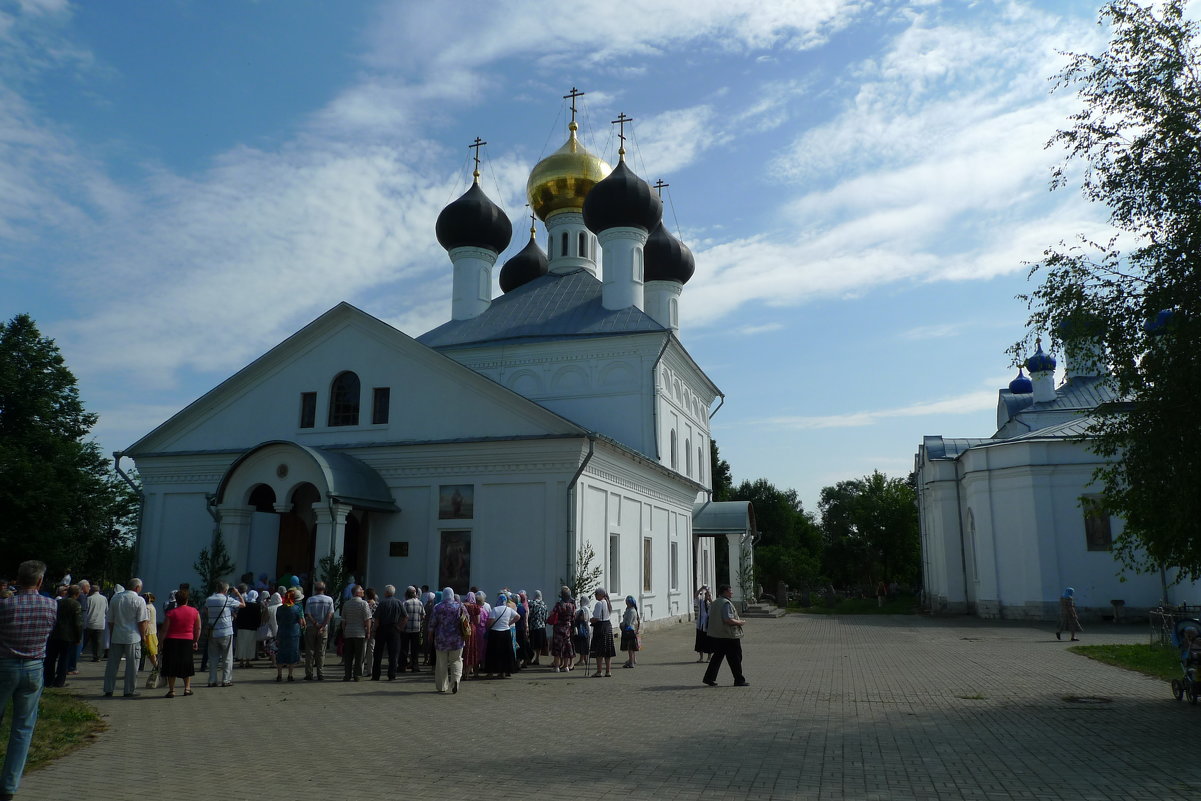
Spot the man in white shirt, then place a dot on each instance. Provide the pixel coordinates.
(219, 609)
(95, 615)
(318, 614)
(128, 622)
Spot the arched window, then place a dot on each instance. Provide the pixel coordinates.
(344, 400)
(583, 244)
(638, 265)
(674, 459)
(687, 458)
(563, 241)
(673, 313)
(550, 246)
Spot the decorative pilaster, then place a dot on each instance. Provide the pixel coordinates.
(331, 531)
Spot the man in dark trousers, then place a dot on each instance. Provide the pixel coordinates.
(725, 629)
(386, 624)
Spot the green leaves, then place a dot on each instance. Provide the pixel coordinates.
(1138, 136)
(63, 503)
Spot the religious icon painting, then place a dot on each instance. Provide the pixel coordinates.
(456, 502)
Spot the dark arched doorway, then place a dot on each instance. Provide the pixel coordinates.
(297, 546)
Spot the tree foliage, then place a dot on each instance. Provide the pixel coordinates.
(723, 477)
(213, 564)
(585, 574)
(62, 501)
(870, 526)
(1138, 139)
(789, 548)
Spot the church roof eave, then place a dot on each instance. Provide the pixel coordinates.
(346, 478)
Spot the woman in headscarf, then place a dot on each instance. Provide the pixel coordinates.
(498, 654)
(631, 627)
(1067, 614)
(246, 624)
(525, 654)
(581, 632)
(289, 621)
(538, 615)
(370, 596)
(446, 627)
(473, 652)
(602, 634)
(701, 609)
(560, 645)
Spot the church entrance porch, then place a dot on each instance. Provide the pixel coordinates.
(329, 500)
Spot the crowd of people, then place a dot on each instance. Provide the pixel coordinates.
(44, 633)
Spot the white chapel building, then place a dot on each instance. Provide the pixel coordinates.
(1008, 521)
(489, 451)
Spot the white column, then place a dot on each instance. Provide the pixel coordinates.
(661, 302)
(565, 260)
(235, 528)
(331, 532)
(623, 267)
(472, 286)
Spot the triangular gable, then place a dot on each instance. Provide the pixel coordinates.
(432, 396)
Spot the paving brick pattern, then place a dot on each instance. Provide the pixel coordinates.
(853, 707)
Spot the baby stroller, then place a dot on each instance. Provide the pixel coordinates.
(1186, 635)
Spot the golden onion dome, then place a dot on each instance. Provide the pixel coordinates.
(561, 180)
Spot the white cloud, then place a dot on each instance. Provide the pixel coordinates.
(970, 402)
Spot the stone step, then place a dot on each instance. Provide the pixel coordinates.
(763, 610)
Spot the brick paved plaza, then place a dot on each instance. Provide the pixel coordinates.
(854, 707)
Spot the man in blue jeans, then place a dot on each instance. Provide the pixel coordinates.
(26, 620)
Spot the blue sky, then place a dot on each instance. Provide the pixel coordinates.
(183, 184)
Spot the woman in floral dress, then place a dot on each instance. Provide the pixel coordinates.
(473, 653)
(538, 614)
(446, 629)
(561, 649)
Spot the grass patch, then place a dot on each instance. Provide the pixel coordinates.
(1158, 663)
(64, 723)
(900, 605)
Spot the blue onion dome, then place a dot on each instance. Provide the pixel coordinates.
(1021, 385)
(1158, 326)
(1040, 362)
(474, 221)
(529, 263)
(667, 258)
(622, 200)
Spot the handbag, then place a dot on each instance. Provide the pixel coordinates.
(465, 626)
(553, 619)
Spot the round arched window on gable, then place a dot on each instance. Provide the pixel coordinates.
(344, 400)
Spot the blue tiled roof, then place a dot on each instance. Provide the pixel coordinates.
(554, 306)
(950, 447)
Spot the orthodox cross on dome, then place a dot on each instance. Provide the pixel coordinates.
(476, 145)
(660, 185)
(620, 122)
(573, 94)
(533, 230)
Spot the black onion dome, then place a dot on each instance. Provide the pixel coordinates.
(667, 258)
(474, 221)
(622, 200)
(529, 263)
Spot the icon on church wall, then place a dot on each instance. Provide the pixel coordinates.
(456, 502)
(454, 563)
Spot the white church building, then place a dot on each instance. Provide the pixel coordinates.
(1009, 521)
(490, 451)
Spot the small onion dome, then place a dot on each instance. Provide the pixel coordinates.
(562, 180)
(1021, 385)
(529, 263)
(474, 221)
(1040, 362)
(667, 258)
(1158, 326)
(623, 200)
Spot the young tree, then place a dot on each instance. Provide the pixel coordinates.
(585, 576)
(1138, 137)
(213, 564)
(62, 501)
